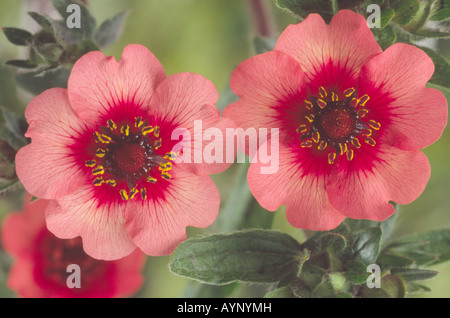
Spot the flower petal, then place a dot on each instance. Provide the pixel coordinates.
(412, 115)
(46, 167)
(330, 55)
(157, 227)
(396, 175)
(180, 97)
(270, 87)
(19, 229)
(186, 101)
(305, 196)
(100, 225)
(98, 84)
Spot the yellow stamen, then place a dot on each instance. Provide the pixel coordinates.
(355, 142)
(316, 136)
(331, 157)
(90, 163)
(374, 125)
(322, 92)
(124, 194)
(133, 193)
(101, 138)
(362, 112)
(301, 129)
(138, 123)
(146, 130)
(111, 125)
(321, 103)
(343, 148)
(156, 132)
(306, 144)
(143, 193)
(98, 170)
(98, 181)
(370, 141)
(100, 152)
(323, 144)
(334, 97)
(308, 105)
(366, 132)
(151, 179)
(363, 100)
(125, 130)
(170, 155)
(348, 92)
(157, 143)
(354, 102)
(111, 182)
(165, 175)
(350, 155)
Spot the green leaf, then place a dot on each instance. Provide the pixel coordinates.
(17, 36)
(440, 10)
(386, 17)
(282, 292)
(42, 20)
(88, 22)
(262, 44)
(391, 287)
(413, 274)
(366, 245)
(405, 11)
(387, 261)
(12, 128)
(37, 82)
(110, 30)
(385, 37)
(428, 248)
(27, 64)
(302, 8)
(414, 288)
(262, 256)
(357, 272)
(335, 243)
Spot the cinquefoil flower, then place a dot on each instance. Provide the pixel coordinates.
(352, 120)
(102, 152)
(41, 262)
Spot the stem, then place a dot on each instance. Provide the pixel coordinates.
(262, 18)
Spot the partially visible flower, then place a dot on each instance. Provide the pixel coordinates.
(41, 261)
(352, 120)
(102, 152)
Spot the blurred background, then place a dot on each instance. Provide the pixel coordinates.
(211, 37)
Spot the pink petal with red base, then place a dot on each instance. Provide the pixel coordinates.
(303, 193)
(364, 193)
(411, 115)
(264, 83)
(101, 226)
(46, 167)
(186, 101)
(158, 226)
(98, 84)
(331, 56)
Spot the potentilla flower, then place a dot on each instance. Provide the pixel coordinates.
(351, 117)
(41, 261)
(102, 152)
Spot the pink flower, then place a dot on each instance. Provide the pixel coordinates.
(41, 260)
(351, 118)
(101, 151)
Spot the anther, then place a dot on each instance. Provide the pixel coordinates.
(374, 125)
(98, 170)
(151, 179)
(309, 105)
(90, 163)
(306, 144)
(146, 130)
(143, 193)
(334, 97)
(133, 193)
(348, 92)
(111, 125)
(343, 148)
(124, 194)
(323, 144)
(355, 143)
(98, 181)
(350, 155)
(125, 130)
(321, 103)
(301, 129)
(322, 92)
(363, 100)
(316, 136)
(331, 157)
(370, 141)
(138, 123)
(362, 112)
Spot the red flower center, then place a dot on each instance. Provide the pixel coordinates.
(336, 125)
(55, 255)
(128, 157)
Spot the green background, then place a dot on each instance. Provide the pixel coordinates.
(211, 37)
